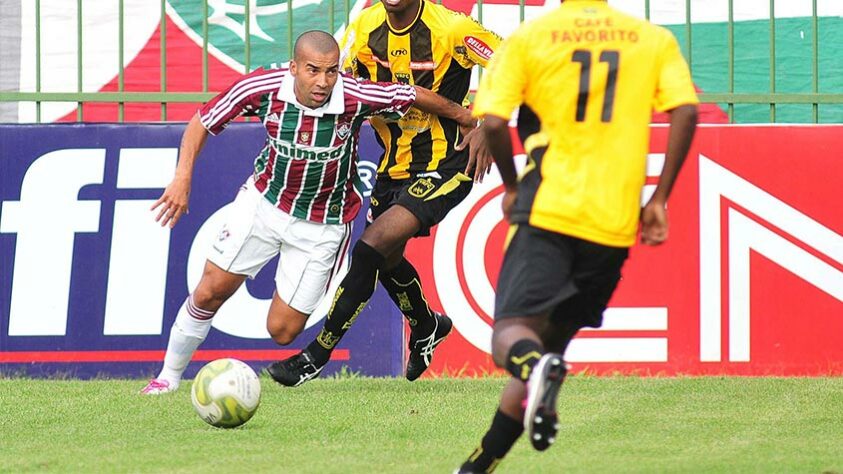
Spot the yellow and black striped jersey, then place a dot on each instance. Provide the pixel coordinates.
(437, 51)
(593, 76)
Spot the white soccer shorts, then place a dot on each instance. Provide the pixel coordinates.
(255, 231)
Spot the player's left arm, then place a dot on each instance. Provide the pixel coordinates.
(496, 131)
(391, 100)
(501, 91)
(674, 94)
(471, 43)
(434, 103)
(474, 45)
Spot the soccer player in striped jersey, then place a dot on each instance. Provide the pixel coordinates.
(424, 171)
(592, 76)
(302, 197)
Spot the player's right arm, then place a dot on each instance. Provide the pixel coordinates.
(241, 97)
(674, 94)
(654, 222)
(173, 202)
(349, 46)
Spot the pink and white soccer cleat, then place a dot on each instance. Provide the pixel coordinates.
(541, 421)
(159, 386)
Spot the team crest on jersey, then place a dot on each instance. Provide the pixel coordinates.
(402, 77)
(461, 52)
(421, 188)
(304, 138)
(343, 130)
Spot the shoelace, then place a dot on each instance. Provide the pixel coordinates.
(302, 362)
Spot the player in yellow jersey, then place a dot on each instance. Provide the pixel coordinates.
(424, 172)
(593, 77)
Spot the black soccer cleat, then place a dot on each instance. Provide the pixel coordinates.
(295, 370)
(421, 350)
(540, 419)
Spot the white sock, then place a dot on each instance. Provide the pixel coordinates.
(189, 330)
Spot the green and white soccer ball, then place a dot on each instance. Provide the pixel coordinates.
(226, 393)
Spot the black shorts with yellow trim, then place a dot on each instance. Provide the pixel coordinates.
(429, 196)
(546, 272)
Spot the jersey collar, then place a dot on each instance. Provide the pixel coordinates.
(334, 106)
(409, 27)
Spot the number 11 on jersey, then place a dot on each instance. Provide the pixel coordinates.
(610, 57)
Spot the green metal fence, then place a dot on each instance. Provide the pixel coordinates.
(703, 46)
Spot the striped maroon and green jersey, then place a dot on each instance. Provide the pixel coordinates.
(308, 166)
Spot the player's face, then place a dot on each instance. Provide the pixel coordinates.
(401, 6)
(315, 75)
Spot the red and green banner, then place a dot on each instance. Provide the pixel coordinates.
(271, 26)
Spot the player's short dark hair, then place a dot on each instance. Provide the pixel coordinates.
(320, 41)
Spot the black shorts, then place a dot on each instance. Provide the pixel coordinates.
(546, 272)
(429, 196)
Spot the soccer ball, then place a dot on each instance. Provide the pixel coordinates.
(226, 393)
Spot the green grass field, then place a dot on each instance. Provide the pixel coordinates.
(361, 425)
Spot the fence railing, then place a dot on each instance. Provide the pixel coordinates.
(731, 70)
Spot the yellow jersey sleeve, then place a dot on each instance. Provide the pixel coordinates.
(675, 86)
(477, 42)
(502, 88)
(349, 47)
